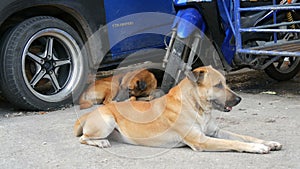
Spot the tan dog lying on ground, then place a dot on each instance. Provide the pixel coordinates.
(119, 87)
(181, 117)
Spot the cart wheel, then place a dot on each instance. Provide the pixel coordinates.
(284, 69)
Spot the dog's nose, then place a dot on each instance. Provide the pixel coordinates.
(238, 99)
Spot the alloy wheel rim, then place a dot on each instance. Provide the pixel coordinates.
(51, 64)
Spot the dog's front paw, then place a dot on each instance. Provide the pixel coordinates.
(259, 148)
(273, 145)
(132, 98)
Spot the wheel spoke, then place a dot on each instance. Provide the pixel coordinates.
(35, 58)
(292, 61)
(49, 48)
(62, 62)
(54, 81)
(37, 77)
(279, 64)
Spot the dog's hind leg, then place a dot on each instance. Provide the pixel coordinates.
(110, 94)
(96, 129)
(92, 140)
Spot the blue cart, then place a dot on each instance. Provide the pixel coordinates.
(274, 47)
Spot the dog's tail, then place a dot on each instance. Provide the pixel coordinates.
(78, 126)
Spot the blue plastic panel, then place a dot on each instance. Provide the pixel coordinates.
(184, 2)
(134, 25)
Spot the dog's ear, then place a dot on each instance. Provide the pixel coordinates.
(191, 76)
(198, 76)
(142, 85)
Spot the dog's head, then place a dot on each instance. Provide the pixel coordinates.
(136, 83)
(212, 88)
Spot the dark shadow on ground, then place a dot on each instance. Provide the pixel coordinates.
(258, 82)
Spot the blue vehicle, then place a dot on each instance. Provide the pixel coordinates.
(231, 35)
(49, 48)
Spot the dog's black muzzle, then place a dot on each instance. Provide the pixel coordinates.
(230, 103)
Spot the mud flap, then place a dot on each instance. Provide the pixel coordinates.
(187, 21)
(171, 71)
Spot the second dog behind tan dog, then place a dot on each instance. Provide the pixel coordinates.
(120, 87)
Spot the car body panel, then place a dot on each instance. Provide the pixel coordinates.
(131, 25)
(134, 25)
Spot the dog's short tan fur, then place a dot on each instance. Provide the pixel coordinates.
(181, 116)
(132, 84)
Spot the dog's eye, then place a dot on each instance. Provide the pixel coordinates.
(219, 85)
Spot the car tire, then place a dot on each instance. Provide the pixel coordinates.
(43, 64)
